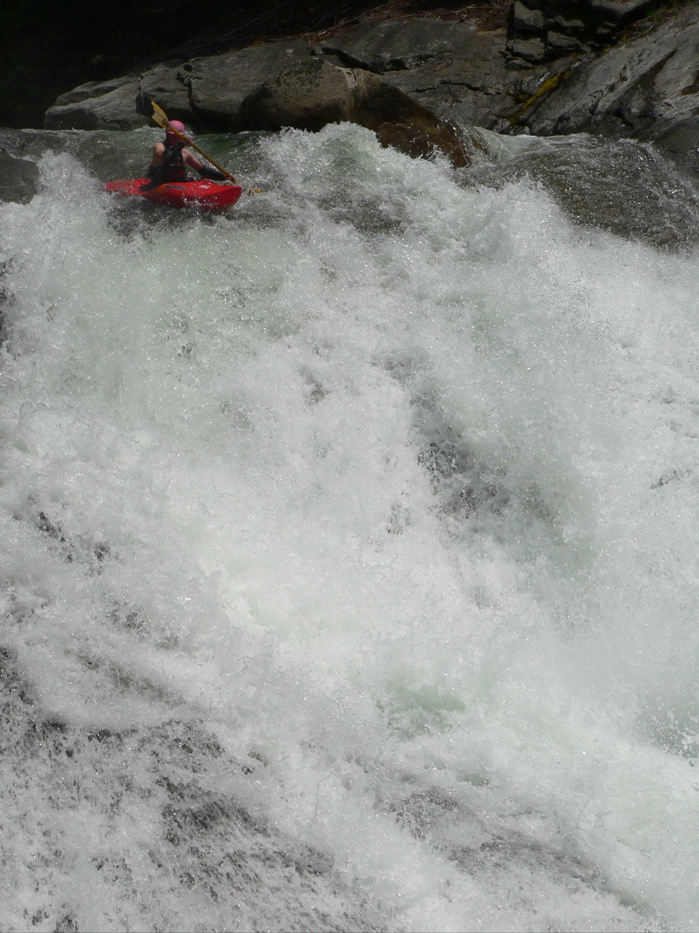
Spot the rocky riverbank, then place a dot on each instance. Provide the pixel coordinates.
(599, 66)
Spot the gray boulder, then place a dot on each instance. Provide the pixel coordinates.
(308, 95)
(205, 93)
(98, 105)
(165, 84)
(219, 84)
(19, 179)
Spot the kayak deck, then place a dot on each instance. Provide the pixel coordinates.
(201, 194)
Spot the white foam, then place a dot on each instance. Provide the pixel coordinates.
(385, 485)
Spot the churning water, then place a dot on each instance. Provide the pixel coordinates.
(349, 569)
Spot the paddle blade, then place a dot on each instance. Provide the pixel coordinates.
(159, 115)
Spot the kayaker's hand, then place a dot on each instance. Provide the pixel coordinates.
(211, 173)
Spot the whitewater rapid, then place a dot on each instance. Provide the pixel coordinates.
(349, 568)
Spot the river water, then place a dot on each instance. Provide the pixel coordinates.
(349, 571)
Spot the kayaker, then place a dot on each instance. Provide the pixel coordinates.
(169, 159)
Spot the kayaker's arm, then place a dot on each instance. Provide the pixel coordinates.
(160, 170)
(214, 174)
(204, 170)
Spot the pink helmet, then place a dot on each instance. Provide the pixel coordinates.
(175, 125)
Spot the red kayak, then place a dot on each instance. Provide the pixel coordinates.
(202, 194)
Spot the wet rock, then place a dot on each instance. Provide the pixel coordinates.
(622, 186)
(646, 88)
(98, 105)
(401, 122)
(311, 94)
(19, 179)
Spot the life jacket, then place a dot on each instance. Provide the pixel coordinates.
(171, 168)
